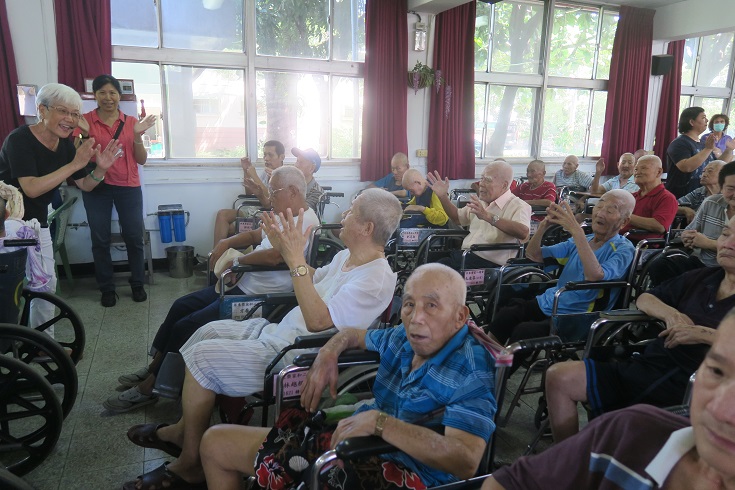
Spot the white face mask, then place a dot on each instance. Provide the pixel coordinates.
(719, 127)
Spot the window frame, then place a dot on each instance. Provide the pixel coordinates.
(247, 61)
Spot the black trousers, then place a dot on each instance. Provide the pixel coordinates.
(520, 319)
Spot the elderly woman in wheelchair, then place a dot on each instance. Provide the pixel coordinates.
(434, 401)
(691, 306)
(602, 255)
(229, 357)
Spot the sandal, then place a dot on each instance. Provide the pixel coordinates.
(133, 379)
(128, 400)
(144, 435)
(162, 478)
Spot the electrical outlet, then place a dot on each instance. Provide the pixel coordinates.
(422, 153)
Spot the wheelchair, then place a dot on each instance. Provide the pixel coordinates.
(288, 389)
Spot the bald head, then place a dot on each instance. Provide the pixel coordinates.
(571, 162)
(651, 160)
(456, 288)
(399, 159)
(639, 153)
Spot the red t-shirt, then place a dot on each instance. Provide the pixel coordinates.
(658, 204)
(547, 190)
(124, 172)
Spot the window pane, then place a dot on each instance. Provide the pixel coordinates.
(482, 35)
(565, 121)
(517, 37)
(288, 28)
(731, 127)
(206, 112)
(599, 102)
(711, 106)
(210, 25)
(690, 57)
(134, 23)
(573, 41)
(346, 117)
(714, 63)
(609, 26)
(479, 115)
(348, 30)
(293, 108)
(509, 121)
(684, 102)
(148, 90)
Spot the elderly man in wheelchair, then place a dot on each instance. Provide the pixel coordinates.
(434, 401)
(692, 306)
(602, 255)
(230, 357)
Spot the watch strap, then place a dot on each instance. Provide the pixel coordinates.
(380, 424)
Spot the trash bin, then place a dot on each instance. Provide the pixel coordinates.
(180, 261)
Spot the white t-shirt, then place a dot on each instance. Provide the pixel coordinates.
(273, 281)
(355, 299)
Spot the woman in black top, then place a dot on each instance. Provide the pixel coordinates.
(38, 158)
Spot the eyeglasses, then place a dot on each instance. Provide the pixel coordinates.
(273, 191)
(65, 113)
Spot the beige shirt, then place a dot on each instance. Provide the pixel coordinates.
(507, 207)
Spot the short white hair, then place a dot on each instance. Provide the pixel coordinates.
(382, 209)
(290, 176)
(500, 169)
(452, 278)
(58, 93)
(625, 199)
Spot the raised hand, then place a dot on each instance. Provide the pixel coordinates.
(709, 143)
(563, 214)
(84, 154)
(144, 124)
(436, 183)
(600, 166)
(288, 238)
(245, 163)
(477, 207)
(106, 158)
(83, 125)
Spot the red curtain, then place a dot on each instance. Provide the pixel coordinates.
(668, 109)
(451, 123)
(83, 40)
(9, 113)
(386, 73)
(627, 92)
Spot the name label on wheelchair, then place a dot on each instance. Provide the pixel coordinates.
(240, 309)
(534, 227)
(244, 225)
(474, 277)
(292, 384)
(410, 236)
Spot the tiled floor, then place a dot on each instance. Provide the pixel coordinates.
(93, 452)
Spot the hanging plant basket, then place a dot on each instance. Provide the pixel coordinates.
(423, 76)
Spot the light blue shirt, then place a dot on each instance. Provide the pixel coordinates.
(614, 183)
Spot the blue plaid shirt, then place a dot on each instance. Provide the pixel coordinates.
(460, 378)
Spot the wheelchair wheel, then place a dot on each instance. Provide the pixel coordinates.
(9, 481)
(68, 327)
(326, 251)
(528, 281)
(30, 417)
(26, 345)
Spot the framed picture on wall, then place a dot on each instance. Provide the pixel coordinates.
(127, 86)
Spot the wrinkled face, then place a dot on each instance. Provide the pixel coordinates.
(272, 159)
(607, 217)
(59, 119)
(710, 174)
(626, 166)
(353, 226)
(700, 123)
(647, 172)
(416, 186)
(569, 166)
(726, 247)
(491, 186)
(307, 167)
(431, 313)
(107, 97)
(535, 174)
(398, 168)
(713, 403)
(279, 197)
(728, 190)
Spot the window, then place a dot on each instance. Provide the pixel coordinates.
(227, 75)
(514, 116)
(707, 75)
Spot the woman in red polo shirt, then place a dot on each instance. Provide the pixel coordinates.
(121, 187)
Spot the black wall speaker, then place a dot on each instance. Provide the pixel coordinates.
(661, 64)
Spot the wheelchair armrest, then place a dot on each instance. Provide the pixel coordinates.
(258, 268)
(360, 447)
(494, 246)
(20, 242)
(326, 187)
(312, 341)
(539, 343)
(347, 357)
(581, 285)
(247, 196)
(440, 232)
(626, 315)
(335, 194)
(330, 226)
(523, 261)
(538, 209)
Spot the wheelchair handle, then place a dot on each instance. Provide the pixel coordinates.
(351, 357)
(497, 246)
(581, 285)
(550, 342)
(20, 242)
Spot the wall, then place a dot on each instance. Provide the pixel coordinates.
(693, 18)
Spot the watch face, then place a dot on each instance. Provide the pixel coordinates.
(299, 271)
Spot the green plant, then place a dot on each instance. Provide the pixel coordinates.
(423, 76)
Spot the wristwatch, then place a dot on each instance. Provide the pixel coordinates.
(494, 220)
(380, 423)
(300, 271)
